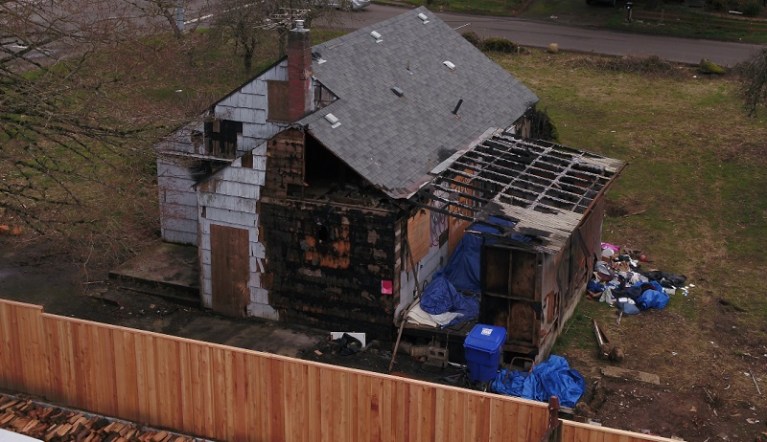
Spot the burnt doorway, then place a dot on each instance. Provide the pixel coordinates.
(229, 269)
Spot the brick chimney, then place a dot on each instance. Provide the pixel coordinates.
(299, 72)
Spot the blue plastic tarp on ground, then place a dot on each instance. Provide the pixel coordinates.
(554, 377)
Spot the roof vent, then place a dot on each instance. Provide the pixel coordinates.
(316, 56)
(450, 65)
(377, 36)
(333, 120)
(423, 17)
(397, 91)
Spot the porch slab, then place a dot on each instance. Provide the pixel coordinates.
(165, 269)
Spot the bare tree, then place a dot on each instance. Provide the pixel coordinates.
(248, 23)
(52, 137)
(754, 85)
(178, 15)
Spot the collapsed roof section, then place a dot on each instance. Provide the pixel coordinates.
(543, 188)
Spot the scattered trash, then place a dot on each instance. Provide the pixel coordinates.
(348, 344)
(318, 353)
(752, 421)
(753, 378)
(358, 336)
(606, 349)
(623, 373)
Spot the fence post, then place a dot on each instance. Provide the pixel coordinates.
(553, 426)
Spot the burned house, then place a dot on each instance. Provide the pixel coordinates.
(315, 192)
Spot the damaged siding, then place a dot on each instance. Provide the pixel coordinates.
(175, 183)
(230, 199)
(183, 159)
(250, 106)
(327, 264)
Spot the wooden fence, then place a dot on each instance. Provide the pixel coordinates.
(233, 394)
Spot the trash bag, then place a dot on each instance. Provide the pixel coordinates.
(652, 299)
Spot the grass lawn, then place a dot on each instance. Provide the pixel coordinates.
(696, 169)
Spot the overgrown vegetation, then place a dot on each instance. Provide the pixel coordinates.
(691, 198)
(754, 82)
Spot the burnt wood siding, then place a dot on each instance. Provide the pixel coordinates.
(286, 163)
(328, 284)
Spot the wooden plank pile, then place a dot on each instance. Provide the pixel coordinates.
(54, 424)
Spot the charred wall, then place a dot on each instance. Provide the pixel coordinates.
(330, 266)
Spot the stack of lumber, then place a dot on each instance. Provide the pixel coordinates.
(54, 424)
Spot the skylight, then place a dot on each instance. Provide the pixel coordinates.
(450, 65)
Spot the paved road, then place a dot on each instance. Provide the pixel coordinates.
(535, 34)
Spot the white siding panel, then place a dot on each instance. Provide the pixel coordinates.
(225, 110)
(259, 296)
(179, 211)
(257, 250)
(245, 175)
(180, 183)
(228, 202)
(232, 217)
(181, 225)
(260, 87)
(249, 130)
(179, 237)
(238, 189)
(259, 163)
(205, 274)
(167, 167)
(207, 301)
(205, 257)
(178, 197)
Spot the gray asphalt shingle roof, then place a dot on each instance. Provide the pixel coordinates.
(395, 141)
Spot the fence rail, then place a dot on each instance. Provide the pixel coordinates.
(233, 394)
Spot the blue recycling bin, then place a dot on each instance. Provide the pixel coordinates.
(482, 351)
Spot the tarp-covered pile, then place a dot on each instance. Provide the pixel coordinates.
(452, 295)
(551, 378)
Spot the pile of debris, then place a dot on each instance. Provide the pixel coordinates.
(49, 423)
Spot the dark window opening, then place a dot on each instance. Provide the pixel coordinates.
(323, 169)
(322, 96)
(221, 137)
(323, 235)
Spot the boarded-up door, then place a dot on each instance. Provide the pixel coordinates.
(230, 269)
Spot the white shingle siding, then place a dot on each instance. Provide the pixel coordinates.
(230, 199)
(178, 201)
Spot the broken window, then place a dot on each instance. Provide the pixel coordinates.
(221, 137)
(278, 101)
(322, 96)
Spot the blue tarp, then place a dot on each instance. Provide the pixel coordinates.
(655, 298)
(554, 377)
(460, 274)
(441, 296)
